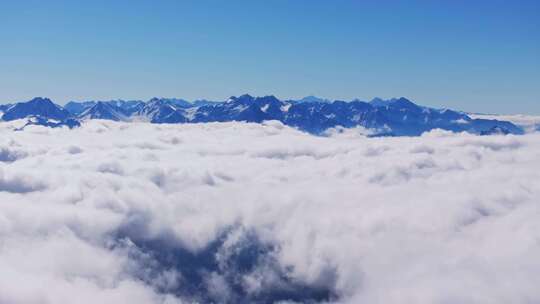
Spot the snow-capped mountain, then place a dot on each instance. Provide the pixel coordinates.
(4, 107)
(379, 102)
(39, 111)
(175, 102)
(312, 98)
(203, 102)
(42, 107)
(243, 108)
(75, 108)
(396, 117)
(181, 103)
(127, 107)
(103, 110)
(162, 110)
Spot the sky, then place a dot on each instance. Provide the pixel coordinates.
(478, 56)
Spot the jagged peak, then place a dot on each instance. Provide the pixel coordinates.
(313, 98)
(98, 106)
(242, 97)
(401, 102)
(250, 98)
(392, 113)
(271, 98)
(40, 100)
(154, 99)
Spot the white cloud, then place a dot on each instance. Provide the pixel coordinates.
(529, 123)
(141, 213)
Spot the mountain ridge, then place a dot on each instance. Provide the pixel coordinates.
(396, 116)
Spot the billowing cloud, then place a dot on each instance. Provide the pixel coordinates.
(238, 213)
(529, 123)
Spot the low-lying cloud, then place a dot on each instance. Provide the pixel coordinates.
(261, 213)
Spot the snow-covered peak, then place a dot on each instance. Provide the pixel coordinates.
(103, 110)
(312, 98)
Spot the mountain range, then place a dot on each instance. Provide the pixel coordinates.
(393, 117)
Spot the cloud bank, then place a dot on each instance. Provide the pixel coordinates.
(261, 213)
(529, 123)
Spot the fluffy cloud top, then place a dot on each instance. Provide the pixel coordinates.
(239, 213)
(529, 123)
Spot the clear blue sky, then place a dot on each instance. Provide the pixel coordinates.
(469, 55)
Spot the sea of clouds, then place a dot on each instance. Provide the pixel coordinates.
(529, 123)
(248, 213)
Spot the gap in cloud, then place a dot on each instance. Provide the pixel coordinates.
(236, 267)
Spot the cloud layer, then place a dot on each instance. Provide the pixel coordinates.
(237, 213)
